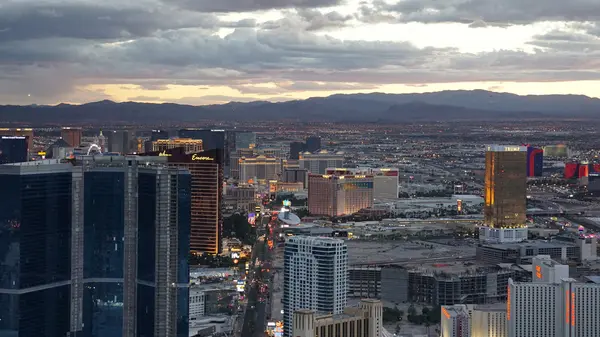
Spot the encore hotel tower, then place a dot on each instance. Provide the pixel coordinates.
(505, 193)
(207, 182)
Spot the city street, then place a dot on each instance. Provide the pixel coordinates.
(254, 323)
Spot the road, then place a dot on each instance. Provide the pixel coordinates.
(255, 316)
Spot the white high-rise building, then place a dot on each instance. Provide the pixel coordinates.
(489, 321)
(545, 270)
(566, 309)
(315, 276)
(456, 321)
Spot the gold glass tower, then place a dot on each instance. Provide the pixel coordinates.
(505, 186)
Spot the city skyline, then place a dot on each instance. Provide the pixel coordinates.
(215, 52)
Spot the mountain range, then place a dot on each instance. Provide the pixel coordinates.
(373, 107)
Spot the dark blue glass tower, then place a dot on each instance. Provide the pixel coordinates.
(13, 149)
(35, 256)
(163, 224)
(104, 226)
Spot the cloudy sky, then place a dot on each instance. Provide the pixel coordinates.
(214, 51)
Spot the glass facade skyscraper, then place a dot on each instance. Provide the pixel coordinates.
(35, 240)
(13, 149)
(136, 223)
(94, 248)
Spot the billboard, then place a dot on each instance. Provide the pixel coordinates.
(252, 219)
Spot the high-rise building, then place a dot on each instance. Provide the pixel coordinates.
(313, 144)
(535, 162)
(315, 276)
(339, 193)
(207, 196)
(35, 254)
(259, 168)
(385, 180)
(125, 207)
(546, 270)
(164, 242)
(462, 320)
(13, 149)
(455, 321)
(295, 175)
(505, 194)
(317, 163)
(243, 140)
(19, 132)
(119, 141)
(72, 136)
(295, 149)
(489, 320)
(553, 309)
(212, 139)
(189, 145)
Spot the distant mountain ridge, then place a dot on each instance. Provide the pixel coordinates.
(372, 107)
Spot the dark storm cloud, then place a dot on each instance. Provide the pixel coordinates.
(249, 50)
(28, 20)
(490, 12)
(249, 5)
(568, 41)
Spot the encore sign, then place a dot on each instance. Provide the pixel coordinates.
(196, 157)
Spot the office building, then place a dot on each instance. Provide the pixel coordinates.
(125, 207)
(535, 161)
(339, 193)
(13, 149)
(119, 141)
(313, 144)
(207, 196)
(458, 284)
(381, 282)
(295, 175)
(259, 168)
(505, 194)
(296, 148)
(189, 145)
(455, 321)
(19, 132)
(366, 320)
(243, 140)
(35, 249)
(318, 163)
(315, 276)
(72, 136)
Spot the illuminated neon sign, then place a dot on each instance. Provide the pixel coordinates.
(568, 307)
(445, 313)
(538, 272)
(508, 304)
(572, 308)
(164, 154)
(196, 157)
